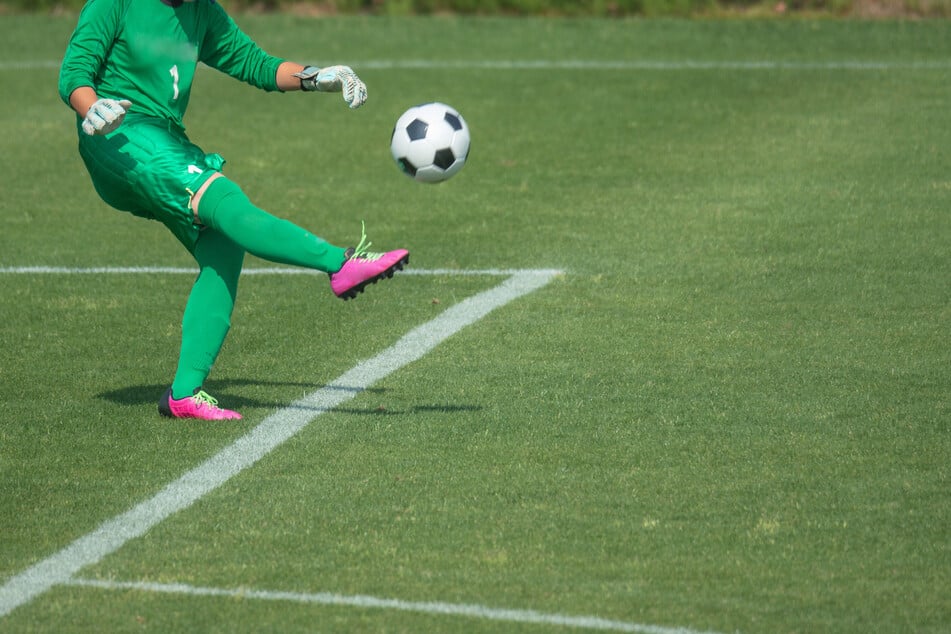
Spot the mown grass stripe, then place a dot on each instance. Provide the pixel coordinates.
(605, 64)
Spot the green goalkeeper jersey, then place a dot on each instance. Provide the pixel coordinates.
(147, 51)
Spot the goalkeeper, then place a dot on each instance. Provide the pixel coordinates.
(128, 72)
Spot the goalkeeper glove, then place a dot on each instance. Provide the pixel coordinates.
(104, 116)
(334, 79)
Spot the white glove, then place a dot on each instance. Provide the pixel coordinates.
(335, 79)
(105, 115)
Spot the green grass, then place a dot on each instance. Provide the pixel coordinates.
(731, 413)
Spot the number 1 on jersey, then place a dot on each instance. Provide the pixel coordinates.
(173, 71)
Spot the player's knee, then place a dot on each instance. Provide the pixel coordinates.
(209, 198)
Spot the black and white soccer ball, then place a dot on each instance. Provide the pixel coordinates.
(430, 142)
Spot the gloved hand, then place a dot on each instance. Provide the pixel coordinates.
(105, 115)
(335, 79)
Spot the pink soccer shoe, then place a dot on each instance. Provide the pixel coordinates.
(200, 405)
(364, 267)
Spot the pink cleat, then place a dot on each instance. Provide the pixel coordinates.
(364, 267)
(200, 405)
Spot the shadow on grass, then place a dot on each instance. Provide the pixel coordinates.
(137, 395)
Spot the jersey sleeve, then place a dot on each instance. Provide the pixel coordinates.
(227, 48)
(96, 29)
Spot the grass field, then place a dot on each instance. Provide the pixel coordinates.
(730, 411)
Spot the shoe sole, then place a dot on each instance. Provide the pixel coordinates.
(353, 291)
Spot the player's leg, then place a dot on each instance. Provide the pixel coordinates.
(222, 205)
(205, 325)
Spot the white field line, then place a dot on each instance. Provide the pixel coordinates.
(592, 64)
(91, 548)
(134, 270)
(362, 601)
(644, 64)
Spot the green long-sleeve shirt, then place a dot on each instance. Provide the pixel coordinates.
(146, 51)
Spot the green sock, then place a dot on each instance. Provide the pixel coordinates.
(226, 208)
(207, 317)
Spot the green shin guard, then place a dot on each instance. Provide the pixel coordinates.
(226, 208)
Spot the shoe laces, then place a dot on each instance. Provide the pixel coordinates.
(204, 398)
(362, 250)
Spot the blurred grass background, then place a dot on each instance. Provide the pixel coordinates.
(577, 8)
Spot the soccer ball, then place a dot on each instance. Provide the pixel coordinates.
(430, 142)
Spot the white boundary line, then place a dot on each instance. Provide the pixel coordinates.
(134, 270)
(274, 430)
(644, 64)
(607, 64)
(362, 601)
